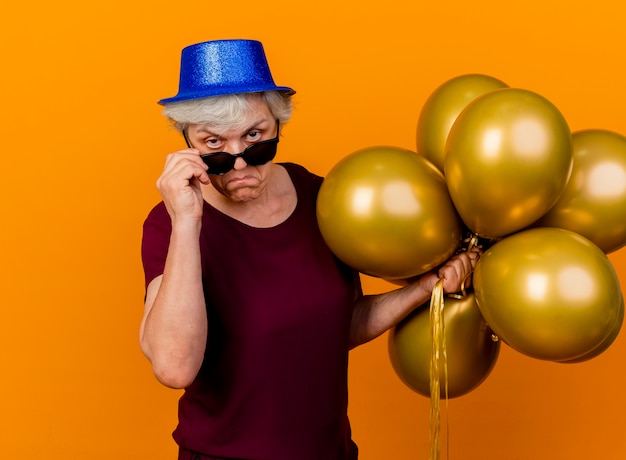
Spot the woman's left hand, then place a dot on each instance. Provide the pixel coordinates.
(456, 272)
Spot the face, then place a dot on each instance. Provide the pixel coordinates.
(244, 182)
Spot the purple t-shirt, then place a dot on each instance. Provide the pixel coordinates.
(273, 384)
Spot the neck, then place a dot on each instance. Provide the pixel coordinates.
(269, 206)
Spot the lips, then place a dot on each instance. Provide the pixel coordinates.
(239, 180)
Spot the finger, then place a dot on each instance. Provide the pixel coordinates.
(183, 155)
(184, 164)
(456, 273)
(469, 262)
(180, 176)
(461, 263)
(450, 271)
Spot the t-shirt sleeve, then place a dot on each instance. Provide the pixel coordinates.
(157, 229)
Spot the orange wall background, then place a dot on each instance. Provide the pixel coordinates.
(83, 142)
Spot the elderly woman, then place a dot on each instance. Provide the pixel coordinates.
(246, 307)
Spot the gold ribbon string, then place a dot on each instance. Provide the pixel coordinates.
(438, 356)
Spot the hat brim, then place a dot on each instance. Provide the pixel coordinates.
(221, 91)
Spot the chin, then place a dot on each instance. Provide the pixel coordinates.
(239, 194)
(242, 197)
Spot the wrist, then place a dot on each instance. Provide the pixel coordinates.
(186, 226)
(428, 282)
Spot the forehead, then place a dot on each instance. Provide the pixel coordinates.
(255, 113)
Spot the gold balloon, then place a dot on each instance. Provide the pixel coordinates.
(606, 343)
(508, 159)
(386, 212)
(549, 293)
(443, 107)
(471, 350)
(594, 200)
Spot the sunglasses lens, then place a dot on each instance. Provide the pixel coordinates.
(219, 163)
(254, 155)
(260, 153)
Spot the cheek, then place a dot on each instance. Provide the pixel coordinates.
(263, 171)
(217, 181)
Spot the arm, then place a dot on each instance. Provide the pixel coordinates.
(173, 332)
(375, 314)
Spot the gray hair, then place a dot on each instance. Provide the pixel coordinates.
(226, 110)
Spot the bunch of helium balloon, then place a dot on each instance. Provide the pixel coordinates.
(496, 167)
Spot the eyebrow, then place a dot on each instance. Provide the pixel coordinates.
(246, 130)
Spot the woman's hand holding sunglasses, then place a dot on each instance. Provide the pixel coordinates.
(180, 185)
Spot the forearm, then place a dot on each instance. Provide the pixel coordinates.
(375, 314)
(174, 332)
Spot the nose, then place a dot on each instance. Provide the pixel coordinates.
(234, 147)
(240, 163)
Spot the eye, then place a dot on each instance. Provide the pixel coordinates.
(253, 135)
(213, 142)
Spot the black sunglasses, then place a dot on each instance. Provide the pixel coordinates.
(256, 154)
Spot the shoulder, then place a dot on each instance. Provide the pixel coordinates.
(155, 242)
(302, 176)
(158, 220)
(158, 213)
